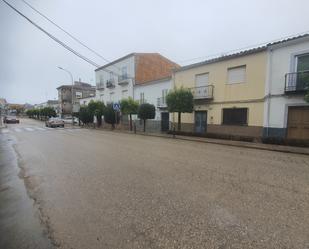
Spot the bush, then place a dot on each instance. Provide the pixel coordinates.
(85, 115)
(146, 111)
(110, 116)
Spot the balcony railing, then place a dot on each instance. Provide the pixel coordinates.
(100, 85)
(161, 102)
(203, 92)
(296, 82)
(110, 83)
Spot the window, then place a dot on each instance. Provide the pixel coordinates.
(201, 79)
(78, 95)
(124, 73)
(302, 63)
(235, 116)
(142, 98)
(164, 93)
(111, 76)
(124, 94)
(111, 96)
(236, 75)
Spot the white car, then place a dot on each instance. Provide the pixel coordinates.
(54, 122)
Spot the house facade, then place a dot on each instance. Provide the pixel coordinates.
(154, 92)
(80, 90)
(228, 94)
(286, 114)
(49, 103)
(116, 80)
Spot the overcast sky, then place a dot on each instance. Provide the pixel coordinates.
(180, 30)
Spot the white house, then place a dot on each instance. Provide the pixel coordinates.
(154, 92)
(115, 80)
(286, 114)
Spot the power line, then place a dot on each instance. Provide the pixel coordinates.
(66, 32)
(53, 37)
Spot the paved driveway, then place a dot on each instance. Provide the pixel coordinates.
(100, 189)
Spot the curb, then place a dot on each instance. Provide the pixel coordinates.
(293, 150)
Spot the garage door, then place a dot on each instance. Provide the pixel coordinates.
(298, 122)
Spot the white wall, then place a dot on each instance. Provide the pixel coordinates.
(152, 91)
(85, 101)
(281, 60)
(116, 94)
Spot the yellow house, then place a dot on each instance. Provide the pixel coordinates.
(228, 92)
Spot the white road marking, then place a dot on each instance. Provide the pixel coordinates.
(17, 130)
(29, 129)
(5, 131)
(40, 129)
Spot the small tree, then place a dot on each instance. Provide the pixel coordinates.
(146, 111)
(97, 109)
(129, 107)
(180, 101)
(85, 115)
(110, 115)
(49, 112)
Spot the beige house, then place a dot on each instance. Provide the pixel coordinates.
(228, 93)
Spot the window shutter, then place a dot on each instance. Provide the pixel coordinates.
(237, 75)
(201, 79)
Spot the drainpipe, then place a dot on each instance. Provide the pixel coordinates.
(268, 96)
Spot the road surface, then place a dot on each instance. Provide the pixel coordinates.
(101, 189)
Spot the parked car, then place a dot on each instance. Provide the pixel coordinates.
(11, 120)
(69, 120)
(54, 122)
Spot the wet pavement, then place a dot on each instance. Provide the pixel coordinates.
(100, 189)
(20, 225)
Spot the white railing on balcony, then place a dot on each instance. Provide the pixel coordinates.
(203, 92)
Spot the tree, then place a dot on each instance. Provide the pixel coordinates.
(110, 116)
(49, 112)
(129, 107)
(97, 109)
(180, 101)
(146, 111)
(85, 115)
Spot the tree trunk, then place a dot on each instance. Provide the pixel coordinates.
(144, 125)
(130, 122)
(179, 121)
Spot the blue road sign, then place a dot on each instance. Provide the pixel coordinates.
(116, 107)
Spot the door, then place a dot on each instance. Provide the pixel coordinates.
(298, 122)
(302, 71)
(200, 121)
(165, 120)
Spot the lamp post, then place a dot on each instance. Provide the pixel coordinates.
(72, 102)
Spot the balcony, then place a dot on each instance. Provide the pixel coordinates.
(100, 86)
(203, 92)
(123, 79)
(161, 102)
(110, 83)
(297, 82)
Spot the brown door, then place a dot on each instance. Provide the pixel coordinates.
(298, 122)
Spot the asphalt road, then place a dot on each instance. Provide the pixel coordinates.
(101, 189)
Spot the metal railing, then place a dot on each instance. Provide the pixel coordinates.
(297, 82)
(203, 92)
(110, 83)
(161, 102)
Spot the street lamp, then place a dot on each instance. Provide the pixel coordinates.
(72, 102)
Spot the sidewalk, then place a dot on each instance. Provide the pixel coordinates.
(259, 146)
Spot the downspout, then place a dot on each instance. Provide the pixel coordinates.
(268, 82)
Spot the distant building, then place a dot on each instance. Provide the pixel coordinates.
(49, 103)
(80, 90)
